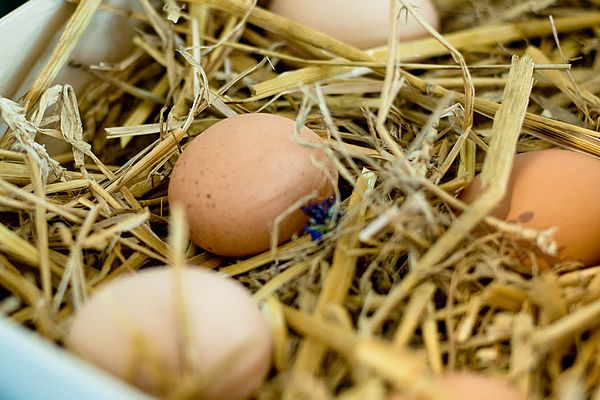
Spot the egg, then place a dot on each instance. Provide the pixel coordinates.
(129, 327)
(470, 386)
(236, 178)
(554, 188)
(362, 24)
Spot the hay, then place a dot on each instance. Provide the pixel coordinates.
(401, 290)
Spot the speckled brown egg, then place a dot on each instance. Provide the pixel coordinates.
(239, 175)
(554, 188)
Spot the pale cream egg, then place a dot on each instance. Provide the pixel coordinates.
(135, 328)
(360, 23)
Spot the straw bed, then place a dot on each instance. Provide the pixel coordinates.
(411, 283)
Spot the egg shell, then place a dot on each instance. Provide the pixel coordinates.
(554, 188)
(226, 326)
(362, 24)
(239, 175)
(470, 386)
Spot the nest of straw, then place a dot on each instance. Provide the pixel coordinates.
(400, 290)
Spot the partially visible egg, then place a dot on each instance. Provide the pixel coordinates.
(130, 328)
(554, 188)
(470, 386)
(237, 177)
(362, 24)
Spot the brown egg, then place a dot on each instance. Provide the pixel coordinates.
(239, 175)
(362, 24)
(129, 328)
(469, 386)
(554, 188)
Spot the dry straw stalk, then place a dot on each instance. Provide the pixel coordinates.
(411, 283)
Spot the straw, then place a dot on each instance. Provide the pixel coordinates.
(406, 282)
